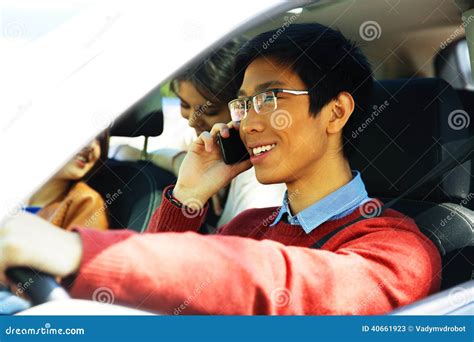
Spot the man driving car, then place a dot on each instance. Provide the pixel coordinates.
(301, 90)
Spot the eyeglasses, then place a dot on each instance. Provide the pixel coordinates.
(262, 103)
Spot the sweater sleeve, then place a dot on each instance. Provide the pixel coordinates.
(188, 273)
(170, 218)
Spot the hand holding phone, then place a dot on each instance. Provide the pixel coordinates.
(232, 148)
(206, 168)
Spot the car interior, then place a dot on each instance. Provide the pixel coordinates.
(138, 181)
(421, 79)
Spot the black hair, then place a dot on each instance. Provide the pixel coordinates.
(213, 77)
(326, 61)
(103, 138)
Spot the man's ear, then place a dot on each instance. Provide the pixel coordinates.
(341, 109)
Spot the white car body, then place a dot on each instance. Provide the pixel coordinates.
(59, 90)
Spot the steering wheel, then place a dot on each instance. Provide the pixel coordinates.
(39, 287)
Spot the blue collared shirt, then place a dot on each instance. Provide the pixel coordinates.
(336, 205)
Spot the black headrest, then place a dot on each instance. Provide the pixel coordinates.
(410, 127)
(135, 124)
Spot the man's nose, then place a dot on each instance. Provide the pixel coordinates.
(253, 122)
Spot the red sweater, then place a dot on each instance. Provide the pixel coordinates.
(371, 267)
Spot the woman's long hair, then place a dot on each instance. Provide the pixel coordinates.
(103, 138)
(213, 77)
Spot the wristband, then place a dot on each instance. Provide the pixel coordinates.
(172, 199)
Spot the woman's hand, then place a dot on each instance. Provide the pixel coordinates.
(27, 240)
(203, 171)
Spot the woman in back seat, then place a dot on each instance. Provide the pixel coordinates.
(66, 200)
(204, 89)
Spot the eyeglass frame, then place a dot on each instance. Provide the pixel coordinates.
(275, 92)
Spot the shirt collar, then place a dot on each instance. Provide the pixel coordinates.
(337, 204)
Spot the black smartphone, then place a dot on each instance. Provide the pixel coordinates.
(232, 148)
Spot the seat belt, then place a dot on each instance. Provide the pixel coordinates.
(457, 158)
